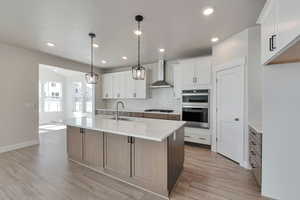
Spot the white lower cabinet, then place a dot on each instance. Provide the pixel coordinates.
(197, 135)
(121, 85)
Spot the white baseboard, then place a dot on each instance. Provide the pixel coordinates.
(18, 146)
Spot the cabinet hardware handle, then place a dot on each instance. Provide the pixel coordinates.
(202, 138)
(273, 42)
(270, 44)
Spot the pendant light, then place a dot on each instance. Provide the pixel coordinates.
(92, 77)
(138, 72)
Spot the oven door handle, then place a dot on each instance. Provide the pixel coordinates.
(194, 94)
(202, 106)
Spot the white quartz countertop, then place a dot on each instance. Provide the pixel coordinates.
(144, 128)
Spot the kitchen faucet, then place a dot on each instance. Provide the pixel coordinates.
(117, 106)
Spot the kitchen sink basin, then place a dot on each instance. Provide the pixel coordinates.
(121, 119)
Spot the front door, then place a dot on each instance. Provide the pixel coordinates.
(230, 97)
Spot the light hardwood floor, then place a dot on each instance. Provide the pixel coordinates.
(43, 172)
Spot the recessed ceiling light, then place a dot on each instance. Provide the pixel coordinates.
(95, 45)
(124, 58)
(103, 61)
(161, 50)
(50, 44)
(138, 32)
(208, 11)
(214, 39)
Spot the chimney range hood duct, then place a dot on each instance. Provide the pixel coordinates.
(161, 82)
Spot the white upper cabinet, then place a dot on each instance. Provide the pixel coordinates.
(120, 85)
(280, 31)
(288, 21)
(269, 34)
(203, 71)
(107, 86)
(192, 74)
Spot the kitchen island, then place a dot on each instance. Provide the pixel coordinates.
(146, 153)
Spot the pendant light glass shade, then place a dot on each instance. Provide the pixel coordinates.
(139, 72)
(92, 77)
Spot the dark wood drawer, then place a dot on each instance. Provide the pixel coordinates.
(136, 114)
(174, 117)
(156, 116)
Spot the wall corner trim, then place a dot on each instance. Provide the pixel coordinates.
(18, 146)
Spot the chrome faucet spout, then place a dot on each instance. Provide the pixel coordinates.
(117, 107)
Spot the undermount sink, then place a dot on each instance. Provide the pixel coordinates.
(121, 119)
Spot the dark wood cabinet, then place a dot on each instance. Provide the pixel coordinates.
(117, 155)
(149, 164)
(74, 144)
(93, 148)
(255, 153)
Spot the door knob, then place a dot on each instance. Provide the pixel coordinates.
(236, 119)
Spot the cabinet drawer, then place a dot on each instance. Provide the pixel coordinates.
(155, 116)
(136, 114)
(201, 138)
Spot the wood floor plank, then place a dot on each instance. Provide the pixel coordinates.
(43, 172)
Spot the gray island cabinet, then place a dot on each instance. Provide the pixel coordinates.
(151, 163)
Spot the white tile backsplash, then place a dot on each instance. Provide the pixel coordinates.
(162, 98)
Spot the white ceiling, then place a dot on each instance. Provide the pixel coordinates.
(176, 25)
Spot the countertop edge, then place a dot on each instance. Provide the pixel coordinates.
(138, 111)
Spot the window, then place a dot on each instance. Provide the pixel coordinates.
(52, 97)
(82, 97)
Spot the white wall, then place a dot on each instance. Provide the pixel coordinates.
(255, 76)
(281, 133)
(45, 75)
(19, 70)
(245, 45)
(233, 48)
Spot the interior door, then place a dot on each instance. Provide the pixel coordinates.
(230, 96)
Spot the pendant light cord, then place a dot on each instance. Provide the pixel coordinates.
(139, 64)
(92, 57)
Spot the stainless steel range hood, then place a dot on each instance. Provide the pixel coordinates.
(161, 79)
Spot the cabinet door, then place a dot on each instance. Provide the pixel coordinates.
(74, 143)
(288, 21)
(107, 86)
(116, 85)
(117, 155)
(119, 84)
(202, 72)
(269, 30)
(149, 163)
(130, 86)
(188, 75)
(93, 148)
